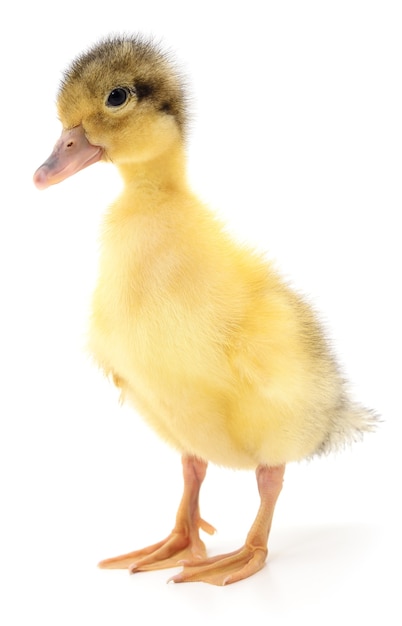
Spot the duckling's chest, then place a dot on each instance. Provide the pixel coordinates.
(151, 316)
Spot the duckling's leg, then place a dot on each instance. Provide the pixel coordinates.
(229, 568)
(184, 542)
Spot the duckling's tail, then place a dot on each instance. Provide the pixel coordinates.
(347, 425)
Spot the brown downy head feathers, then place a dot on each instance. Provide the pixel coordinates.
(130, 63)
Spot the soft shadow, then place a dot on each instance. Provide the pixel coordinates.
(307, 564)
(324, 542)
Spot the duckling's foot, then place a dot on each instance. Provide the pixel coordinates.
(183, 543)
(170, 552)
(230, 568)
(225, 568)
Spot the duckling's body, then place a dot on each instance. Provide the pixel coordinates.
(216, 334)
(221, 358)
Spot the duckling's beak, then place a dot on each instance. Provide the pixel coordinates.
(71, 154)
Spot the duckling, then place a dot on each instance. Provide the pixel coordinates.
(201, 335)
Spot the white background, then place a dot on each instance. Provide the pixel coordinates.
(296, 139)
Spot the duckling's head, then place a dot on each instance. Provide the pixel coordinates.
(121, 101)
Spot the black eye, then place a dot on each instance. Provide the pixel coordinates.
(117, 97)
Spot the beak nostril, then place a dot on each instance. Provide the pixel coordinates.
(70, 143)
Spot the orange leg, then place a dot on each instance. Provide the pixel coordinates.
(184, 542)
(229, 568)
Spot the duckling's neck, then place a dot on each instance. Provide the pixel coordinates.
(164, 172)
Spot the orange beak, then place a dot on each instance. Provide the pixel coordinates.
(72, 153)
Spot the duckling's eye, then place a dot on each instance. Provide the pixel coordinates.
(117, 97)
